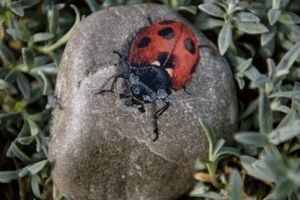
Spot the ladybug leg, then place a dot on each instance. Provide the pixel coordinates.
(123, 98)
(157, 114)
(142, 109)
(184, 89)
(112, 89)
(162, 110)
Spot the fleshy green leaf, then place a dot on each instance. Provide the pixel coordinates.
(241, 6)
(273, 16)
(291, 31)
(209, 134)
(265, 116)
(188, 9)
(217, 147)
(271, 67)
(8, 116)
(267, 37)
(17, 8)
(49, 69)
(282, 108)
(12, 76)
(267, 50)
(257, 168)
(8, 176)
(41, 116)
(252, 73)
(241, 82)
(4, 85)
(288, 94)
(289, 58)
(249, 48)
(23, 172)
(29, 3)
(246, 17)
(110, 3)
(93, 5)
(225, 38)
(282, 187)
(236, 186)
(6, 55)
(23, 85)
(19, 153)
(35, 94)
(277, 4)
(259, 9)
(19, 33)
(47, 83)
(28, 57)
(209, 23)
(283, 134)
(34, 129)
(35, 186)
(226, 152)
(250, 109)
(289, 18)
(26, 140)
(245, 65)
(200, 165)
(53, 16)
(259, 81)
(25, 131)
(251, 27)
(252, 138)
(201, 190)
(40, 37)
(212, 9)
(37, 167)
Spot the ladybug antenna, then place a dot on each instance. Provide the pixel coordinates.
(123, 58)
(150, 20)
(119, 54)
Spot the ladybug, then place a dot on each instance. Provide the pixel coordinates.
(162, 59)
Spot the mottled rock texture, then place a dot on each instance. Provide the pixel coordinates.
(103, 150)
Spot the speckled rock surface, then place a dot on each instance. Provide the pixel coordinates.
(101, 150)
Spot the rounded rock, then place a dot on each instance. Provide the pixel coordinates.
(102, 148)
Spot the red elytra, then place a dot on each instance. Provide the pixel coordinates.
(169, 44)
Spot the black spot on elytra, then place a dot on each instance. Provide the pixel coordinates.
(166, 22)
(166, 60)
(144, 42)
(190, 46)
(167, 33)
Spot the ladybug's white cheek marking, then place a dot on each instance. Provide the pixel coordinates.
(169, 71)
(156, 63)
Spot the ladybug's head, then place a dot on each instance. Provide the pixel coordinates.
(149, 83)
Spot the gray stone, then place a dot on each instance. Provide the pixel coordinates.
(103, 150)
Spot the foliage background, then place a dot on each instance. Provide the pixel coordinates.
(261, 41)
